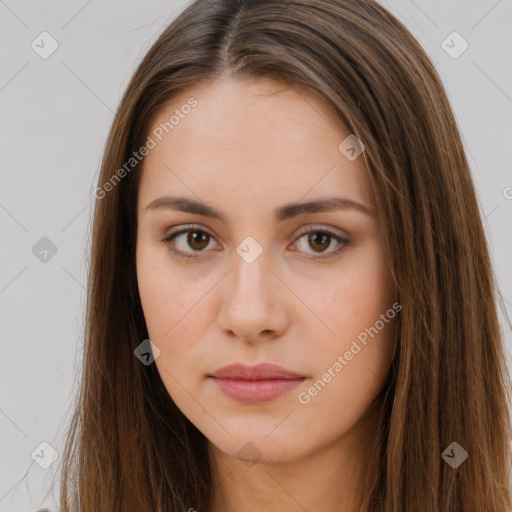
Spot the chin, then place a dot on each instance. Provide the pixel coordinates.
(262, 448)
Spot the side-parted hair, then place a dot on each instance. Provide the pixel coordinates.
(129, 447)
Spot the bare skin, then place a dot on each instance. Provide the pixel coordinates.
(246, 149)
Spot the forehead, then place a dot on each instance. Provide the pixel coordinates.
(234, 111)
(259, 139)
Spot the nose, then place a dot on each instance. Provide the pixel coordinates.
(254, 303)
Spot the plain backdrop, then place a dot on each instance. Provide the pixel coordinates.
(54, 117)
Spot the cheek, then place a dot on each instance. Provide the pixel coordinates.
(351, 369)
(167, 295)
(176, 311)
(354, 296)
(171, 320)
(157, 301)
(358, 307)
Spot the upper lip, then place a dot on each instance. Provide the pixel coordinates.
(255, 372)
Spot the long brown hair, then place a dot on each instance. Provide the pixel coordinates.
(130, 447)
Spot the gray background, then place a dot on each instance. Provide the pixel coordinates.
(54, 118)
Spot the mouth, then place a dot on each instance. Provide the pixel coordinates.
(255, 384)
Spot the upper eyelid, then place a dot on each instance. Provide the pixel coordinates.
(185, 228)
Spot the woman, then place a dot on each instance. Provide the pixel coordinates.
(291, 304)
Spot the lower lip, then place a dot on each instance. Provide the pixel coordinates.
(256, 391)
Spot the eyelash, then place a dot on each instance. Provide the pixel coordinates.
(191, 228)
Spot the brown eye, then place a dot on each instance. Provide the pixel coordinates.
(196, 240)
(319, 241)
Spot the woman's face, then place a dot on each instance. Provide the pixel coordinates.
(246, 168)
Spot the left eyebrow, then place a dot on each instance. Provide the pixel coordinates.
(287, 211)
(327, 204)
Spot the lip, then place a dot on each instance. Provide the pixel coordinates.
(255, 384)
(255, 372)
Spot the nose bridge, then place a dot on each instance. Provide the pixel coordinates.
(249, 304)
(250, 274)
